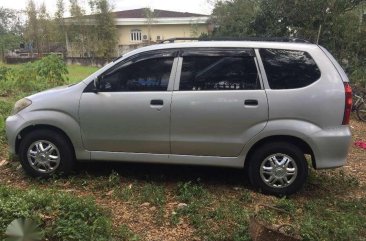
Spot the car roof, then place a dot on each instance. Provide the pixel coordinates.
(225, 44)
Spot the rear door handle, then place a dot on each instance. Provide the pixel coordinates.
(156, 102)
(251, 102)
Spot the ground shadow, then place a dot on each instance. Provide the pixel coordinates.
(167, 173)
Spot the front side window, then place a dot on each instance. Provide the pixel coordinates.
(219, 73)
(144, 75)
(288, 69)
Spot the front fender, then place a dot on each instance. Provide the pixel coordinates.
(63, 121)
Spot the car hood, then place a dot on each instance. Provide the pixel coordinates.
(55, 92)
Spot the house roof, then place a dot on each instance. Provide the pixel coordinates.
(141, 13)
(138, 17)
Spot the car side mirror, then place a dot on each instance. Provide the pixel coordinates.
(97, 84)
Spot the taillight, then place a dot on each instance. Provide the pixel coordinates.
(348, 103)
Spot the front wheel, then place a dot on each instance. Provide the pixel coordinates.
(46, 152)
(278, 168)
(361, 111)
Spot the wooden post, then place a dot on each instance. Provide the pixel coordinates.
(319, 32)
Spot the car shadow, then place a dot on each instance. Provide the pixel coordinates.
(164, 173)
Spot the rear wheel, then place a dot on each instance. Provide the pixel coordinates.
(46, 152)
(278, 168)
(361, 112)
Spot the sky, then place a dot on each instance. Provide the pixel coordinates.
(194, 6)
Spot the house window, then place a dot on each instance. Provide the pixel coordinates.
(136, 35)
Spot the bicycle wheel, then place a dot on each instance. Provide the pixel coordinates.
(361, 111)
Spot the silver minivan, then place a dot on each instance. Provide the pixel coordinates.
(267, 106)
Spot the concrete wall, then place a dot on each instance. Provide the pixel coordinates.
(98, 62)
(125, 44)
(164, 31)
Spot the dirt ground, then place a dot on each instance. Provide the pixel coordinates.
(141, 219)
(356, 162)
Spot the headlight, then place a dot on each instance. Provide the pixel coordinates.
(20, 105)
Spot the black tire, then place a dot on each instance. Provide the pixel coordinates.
(260, 156)
(361, 112)
(64, 150)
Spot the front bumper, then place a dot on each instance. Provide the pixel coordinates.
(14, 124)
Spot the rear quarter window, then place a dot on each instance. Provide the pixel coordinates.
(289, 69)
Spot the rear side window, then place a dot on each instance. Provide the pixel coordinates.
(219, 73)
(288, 69)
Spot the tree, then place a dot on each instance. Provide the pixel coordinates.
(105, 27)
(31, 30)
(233, 17)
(335, 24)
(299, 18)
(10, 30)
(77, 30)
(150, 17)
(45, 28)
(60, 21)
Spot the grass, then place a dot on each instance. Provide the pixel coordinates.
(126, 234)
(332, 219)
(185, 203)
(77, 72)
(61, 216)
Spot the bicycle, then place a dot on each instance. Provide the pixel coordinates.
(359, 105)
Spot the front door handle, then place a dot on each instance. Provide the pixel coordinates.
(251, 102)
(156, 102)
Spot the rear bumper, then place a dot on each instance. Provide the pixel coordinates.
(330, 147)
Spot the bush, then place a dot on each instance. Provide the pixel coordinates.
(358, 75)
(3, 71)
(52, 70)
(23, 78)
(48, 72)
(5, 110)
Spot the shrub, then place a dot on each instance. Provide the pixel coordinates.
(52, 70)
(5, 109)
(3, 71)
(23, 78)
(48, 72)
(358, 75)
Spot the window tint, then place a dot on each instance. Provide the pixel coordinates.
(145, 75)
(287, 69)
(219, 73)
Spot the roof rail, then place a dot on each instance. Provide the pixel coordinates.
(172, 40)
(269, 39)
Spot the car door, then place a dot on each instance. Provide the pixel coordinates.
(131, 110)
(218, 102)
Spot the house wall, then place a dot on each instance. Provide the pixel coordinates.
(164, 31)
(125, 44)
